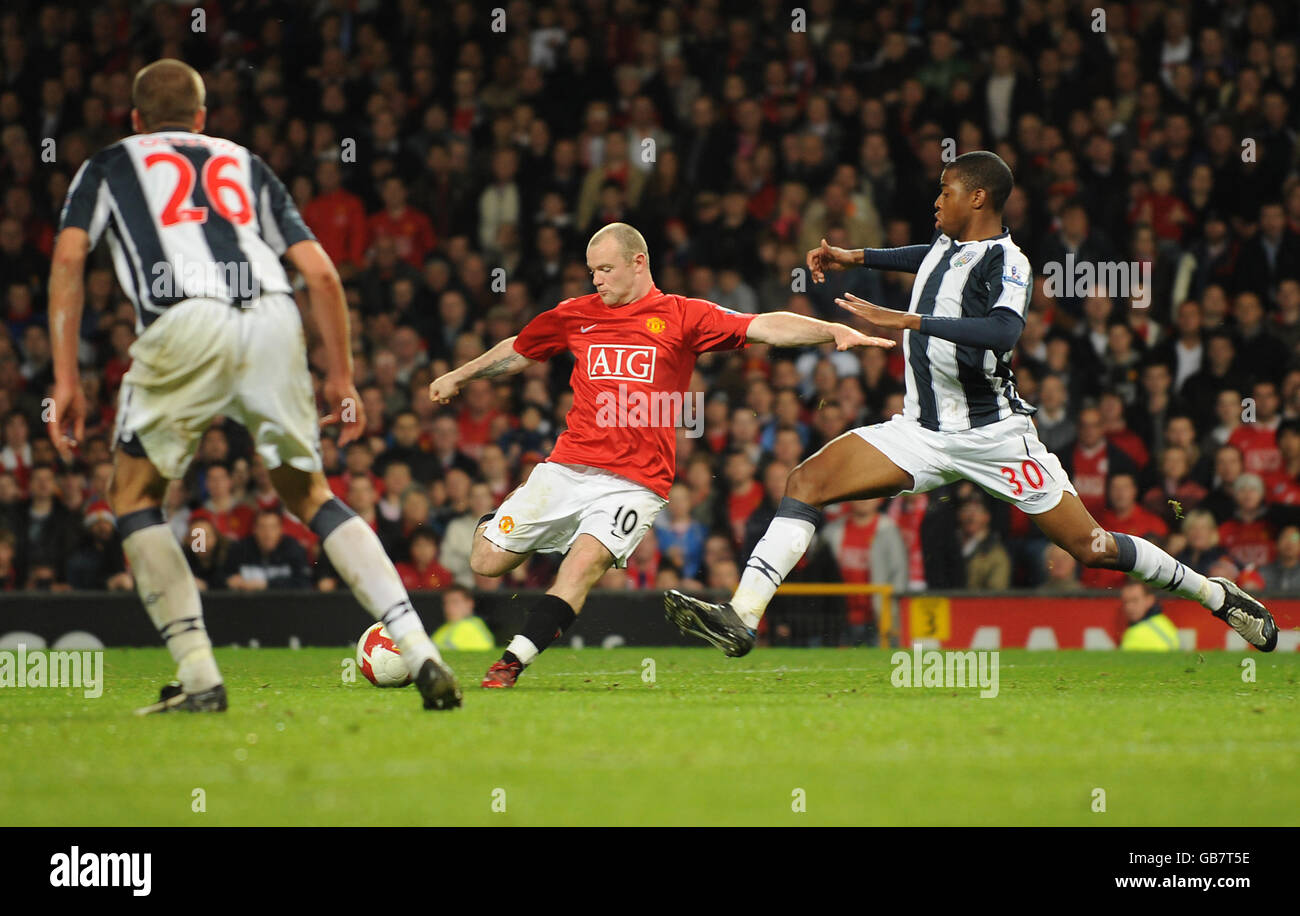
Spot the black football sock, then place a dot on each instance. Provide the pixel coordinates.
(545, 623)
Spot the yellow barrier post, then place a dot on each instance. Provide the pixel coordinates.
(824, 589)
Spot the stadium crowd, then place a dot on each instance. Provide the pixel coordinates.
(453, 163)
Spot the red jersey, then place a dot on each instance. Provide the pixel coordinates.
(854, 558)
(339, 485)
(1089, 477)
(909, 523)
(740, 506)
(631, 376)
(475, 433)
(1259, 452)
(234, 523)
(339, 222)
(1130, 444)
(430, 577)
(1283, 489)
(411, 232)
(1248, 543)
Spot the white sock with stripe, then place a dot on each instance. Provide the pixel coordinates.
(787, 538)
(166, 586)
(1146, 562)
(356, 553)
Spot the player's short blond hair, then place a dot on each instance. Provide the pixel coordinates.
(166, 92)
(630, 242)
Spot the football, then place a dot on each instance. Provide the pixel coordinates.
(379, 659)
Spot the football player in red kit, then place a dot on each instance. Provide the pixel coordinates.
(597, 494)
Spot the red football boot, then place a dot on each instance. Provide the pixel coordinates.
(502, 674)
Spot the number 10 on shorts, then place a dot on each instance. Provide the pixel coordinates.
(624, 522)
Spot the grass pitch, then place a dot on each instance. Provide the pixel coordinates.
(1177, 739)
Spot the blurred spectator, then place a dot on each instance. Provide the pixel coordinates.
(233, 519)
(462, 631)
(680, 536)
(410, 231)
(99, 563)
(1148, 629)
(47, 530)
(206, 552)
(1093, 459)
(338, 219)
(1283, 574)
(744, 494)
(869, 549)
(988, 565)
(1199, 540)
(422, 571)
(1248, 535)
(458, 539)
(9, 579)
(267, 558)
(1062, 571)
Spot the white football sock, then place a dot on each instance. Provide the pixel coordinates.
(1155, 567)
(360, 560)
(773, 558)
(523, 649)
(166, 586)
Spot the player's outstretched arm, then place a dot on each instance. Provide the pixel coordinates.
(329, 308)
(998, 330)
(786, 329)
(502, 359)
(829, 257)
(67, 295)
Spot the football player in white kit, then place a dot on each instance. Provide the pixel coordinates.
(196, 226)
(962, 420)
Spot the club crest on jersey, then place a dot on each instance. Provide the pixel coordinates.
(655, 325)
(619, 363)
(962, 259)
(507, 524)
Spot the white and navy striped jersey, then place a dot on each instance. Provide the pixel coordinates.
(187, 216)
(950, 386)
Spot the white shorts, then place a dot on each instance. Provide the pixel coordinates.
(203, 358)
(561, 501)
(1005, 458)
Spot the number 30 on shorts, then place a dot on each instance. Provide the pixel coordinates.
(1033, 476)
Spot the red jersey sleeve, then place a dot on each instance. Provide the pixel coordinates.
(543, 337)
(709, 326)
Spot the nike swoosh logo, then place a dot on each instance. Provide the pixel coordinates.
(587, 328)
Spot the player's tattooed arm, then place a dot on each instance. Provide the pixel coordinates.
(786, 329)
(509, 364)
(502, 359)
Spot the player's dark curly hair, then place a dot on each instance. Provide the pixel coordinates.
(982, 169)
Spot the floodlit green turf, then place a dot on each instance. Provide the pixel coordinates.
(584, 739)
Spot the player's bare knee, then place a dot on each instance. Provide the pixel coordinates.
(1092, 550)
(487, 559)
(479, 563)
(806, 485)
